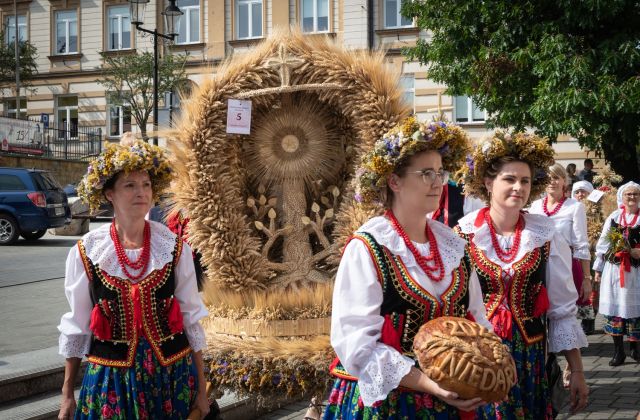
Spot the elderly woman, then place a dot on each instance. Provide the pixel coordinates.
(374, 321)
(134, 301)
(617, 268)
(524, 269)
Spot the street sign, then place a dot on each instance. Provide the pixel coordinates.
(238, 116)
(44, 119)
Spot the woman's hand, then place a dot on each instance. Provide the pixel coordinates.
(67, 408)
(585, 293)
(202, 404)
(451, 398)
(579, 391)
(597, 277)
(635, 253)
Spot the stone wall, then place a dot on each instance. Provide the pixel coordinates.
(65, 171)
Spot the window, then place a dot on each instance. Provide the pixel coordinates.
(407, 84)
(10, 107)
(66, 32)
(248, 19)
(11, 183)
(315, 15)
(119, 27)
(467, 111)
(67, 117)
(10, 29)
(119, 120)
(189, 22)
(392, 16)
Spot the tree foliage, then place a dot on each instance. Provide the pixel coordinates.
(559, 66)
(128, 80)
(27, 55)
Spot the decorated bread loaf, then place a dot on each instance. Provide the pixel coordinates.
(464, 357)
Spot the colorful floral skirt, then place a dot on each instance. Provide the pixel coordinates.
(529, 398)
(615, 325)
(345, 403)
(147, 390)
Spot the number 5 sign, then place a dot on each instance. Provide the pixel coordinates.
(238, 116)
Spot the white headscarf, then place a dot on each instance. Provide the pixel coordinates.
(581, 185)
(626, 186)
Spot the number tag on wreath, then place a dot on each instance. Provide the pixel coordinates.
(238, 116)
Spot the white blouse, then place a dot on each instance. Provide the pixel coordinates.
(356, 322)
(603, 244)
(571, 224)
(75, 335)
(565, 333)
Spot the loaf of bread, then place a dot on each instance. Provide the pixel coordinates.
(464, 357)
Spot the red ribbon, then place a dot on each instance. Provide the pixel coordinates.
(625, 264)
(480, 218)
(137, 309)
(502, 322)
(390, 335)
(443, 207)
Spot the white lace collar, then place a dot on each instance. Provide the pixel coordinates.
(450, 245)
(538, 230)
(102, 252)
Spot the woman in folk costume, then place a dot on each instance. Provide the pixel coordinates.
(617, 268)
(580, 190)
(134, 301)
(524, 271)
(570, 219)
(397, 272)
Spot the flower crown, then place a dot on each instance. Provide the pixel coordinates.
(128, 156)
(529, 148)
(398, 145)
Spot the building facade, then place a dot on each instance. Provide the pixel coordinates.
(70, 36)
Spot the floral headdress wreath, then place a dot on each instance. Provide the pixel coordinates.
(524, 147)
(399, 144)
(128, 156)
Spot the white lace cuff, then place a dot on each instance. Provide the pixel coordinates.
(566, 334)
(383, 375)
(598, 264)
(582, 253)
(196, 337)
(74, 345)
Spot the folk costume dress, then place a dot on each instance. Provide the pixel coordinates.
(381, 298)
(620, 278)
(521, 297)
(570, 219)
(137, 335)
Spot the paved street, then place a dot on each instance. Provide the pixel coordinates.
(32, 301)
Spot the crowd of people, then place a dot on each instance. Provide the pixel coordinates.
(518, 261)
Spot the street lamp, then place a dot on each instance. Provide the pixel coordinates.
(171, 15)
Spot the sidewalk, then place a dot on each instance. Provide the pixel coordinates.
(615, 391)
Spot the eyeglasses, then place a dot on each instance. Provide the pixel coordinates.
(631, 195)
(429, 176)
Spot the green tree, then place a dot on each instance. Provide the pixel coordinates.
(559, 66)
(128, 80)
(27, 55)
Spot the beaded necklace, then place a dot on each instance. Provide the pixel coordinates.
(509, 255)
(143, 260)
(556, 210)
(432, 265)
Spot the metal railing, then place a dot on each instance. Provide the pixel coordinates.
(31, 137)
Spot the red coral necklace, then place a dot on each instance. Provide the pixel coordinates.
(556, 210)
(623, 218)
(431, 265)
(509, 255)
(143, 260)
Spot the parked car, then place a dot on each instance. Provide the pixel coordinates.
(31, 201)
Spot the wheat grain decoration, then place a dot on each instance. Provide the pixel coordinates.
(270, 211)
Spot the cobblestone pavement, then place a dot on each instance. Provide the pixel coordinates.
(614, 391)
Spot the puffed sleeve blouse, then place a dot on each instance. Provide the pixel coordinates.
(565, 333)
(571, 224)
(356, 322)
(74, 329)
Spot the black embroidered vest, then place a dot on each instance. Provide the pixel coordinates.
(406, 305)
(528, 282)
(132, 310)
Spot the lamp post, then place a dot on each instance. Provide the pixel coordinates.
(171, 15)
